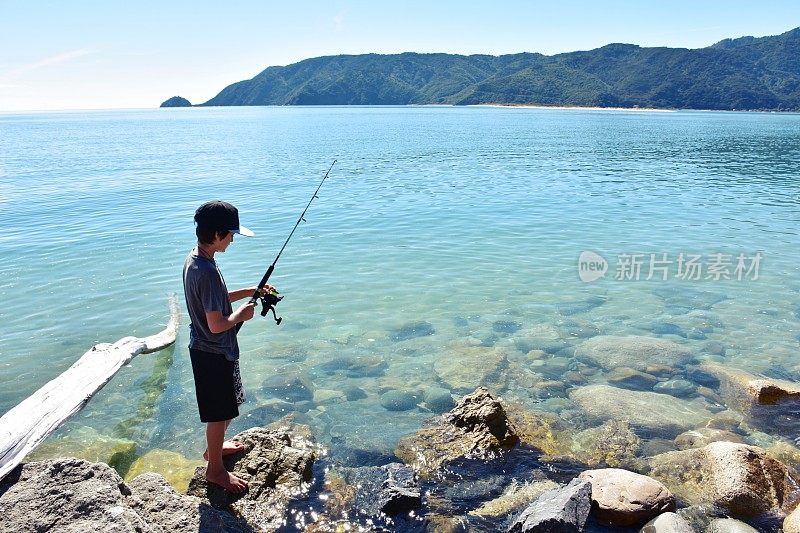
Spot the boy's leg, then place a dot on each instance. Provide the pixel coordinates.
(229, 446)
(215, 470)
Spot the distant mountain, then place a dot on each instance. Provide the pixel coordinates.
(745, 73)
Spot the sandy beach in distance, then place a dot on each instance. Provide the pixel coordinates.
(585, 108)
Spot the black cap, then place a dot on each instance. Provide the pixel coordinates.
(220, 216)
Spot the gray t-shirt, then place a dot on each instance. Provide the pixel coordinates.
(205, 291)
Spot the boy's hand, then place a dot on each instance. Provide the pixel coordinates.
(267, 288)
(245, 312)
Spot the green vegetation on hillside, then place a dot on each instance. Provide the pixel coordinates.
(746, 73)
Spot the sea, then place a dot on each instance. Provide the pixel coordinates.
(450, 247)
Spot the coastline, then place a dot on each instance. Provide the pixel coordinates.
(578, 107)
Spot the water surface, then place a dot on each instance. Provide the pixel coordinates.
(465, 223)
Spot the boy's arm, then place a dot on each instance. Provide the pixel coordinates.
(217, 322)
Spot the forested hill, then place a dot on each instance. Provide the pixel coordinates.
(745, 73)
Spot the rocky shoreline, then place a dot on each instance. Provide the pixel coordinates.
(713, 484)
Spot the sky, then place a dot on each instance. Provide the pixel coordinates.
(106, 54)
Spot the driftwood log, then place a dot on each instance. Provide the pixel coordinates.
(25, 426)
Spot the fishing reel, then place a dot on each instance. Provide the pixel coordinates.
(268, 302)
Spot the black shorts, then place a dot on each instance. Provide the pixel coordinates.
(217, 384)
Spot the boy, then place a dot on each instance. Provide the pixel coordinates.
(213, 347)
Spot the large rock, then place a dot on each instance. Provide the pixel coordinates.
(729, 525)
(154, 499)
(70, 495)
(792, 522)
(633, 351)
(74, 496)
(476, 425)
(667, 523)
(753, 394)
(463, 367)
(624, 498)
(648, 410)
(164, 509)
(742, 480)
(563, 510)
(275, 464)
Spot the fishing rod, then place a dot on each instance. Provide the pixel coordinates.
(271, 298)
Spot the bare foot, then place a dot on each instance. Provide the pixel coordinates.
(228, 447)
(226, 480)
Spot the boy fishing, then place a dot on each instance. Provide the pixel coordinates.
(213, 345)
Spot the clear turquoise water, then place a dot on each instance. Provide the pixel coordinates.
(460, 217)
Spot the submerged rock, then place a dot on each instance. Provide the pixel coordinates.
(354, 367)
(174, 467)
(88, 444)
(648, 410)
(729, 525)
(700, 437)
(701, 377)
(541, 430)
(583, 306)
(360, 437)
(628, 378)
(679, 388)
(572, 328)
(688, 297)
(637, 352)
(714, 348)
(389, 489)
(612, 444)
(290, 387)
(739, 479)
(506, 326)
(328, 396)
(624, 498)
(354, 393)
(667, 328)
(477, 425)
(667, 523)
(785, 453)
(438, 400)
(564, 510)
(514, 498)
(462, 367)
(751, 393)
(412, 331)
(395, 400)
